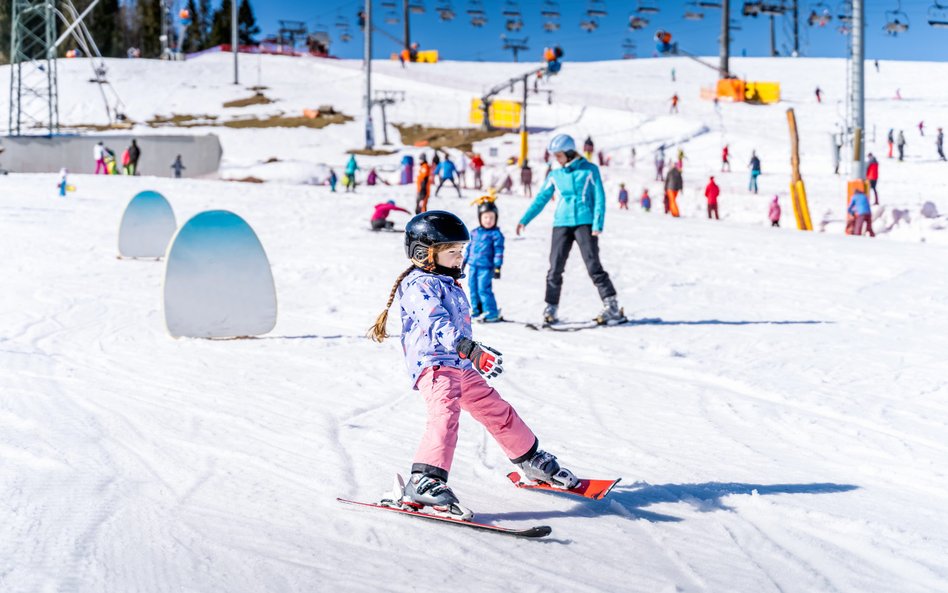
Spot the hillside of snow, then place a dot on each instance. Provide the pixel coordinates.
(778, 417)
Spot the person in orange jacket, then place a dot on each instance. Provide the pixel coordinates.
(673, 186)
(424, 185)
(712, 191)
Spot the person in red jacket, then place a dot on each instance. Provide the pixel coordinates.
(872, 174)
(379, 220)
(712, 192)
(477, 163)
(725, 162)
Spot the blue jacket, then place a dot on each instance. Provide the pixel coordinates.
(582, 199)
(446, 170)
(486, 249)
(435, 315)
(351, 166)
(859, 204)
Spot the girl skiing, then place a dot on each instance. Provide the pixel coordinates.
(449, 368)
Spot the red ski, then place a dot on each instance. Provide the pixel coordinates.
(594, 489)
(532, 532)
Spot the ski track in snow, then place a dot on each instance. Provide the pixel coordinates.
(780, 427)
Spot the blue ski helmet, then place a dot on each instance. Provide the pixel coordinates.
(561, 143)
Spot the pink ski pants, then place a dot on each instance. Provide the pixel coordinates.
(447, 391)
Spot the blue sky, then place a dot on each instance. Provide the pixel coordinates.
(458, 40)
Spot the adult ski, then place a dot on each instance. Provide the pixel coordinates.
(572, 326)
(529, 533)
(593, 489)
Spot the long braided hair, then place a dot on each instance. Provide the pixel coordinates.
(377, 332)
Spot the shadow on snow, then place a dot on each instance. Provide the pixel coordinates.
(631, 500)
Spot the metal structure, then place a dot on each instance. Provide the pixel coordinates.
(34, 92)
(724, 67)
(369, 130)
(289, 32)
(857, 98)
(383, 99)
(515, 45)
(938, 15)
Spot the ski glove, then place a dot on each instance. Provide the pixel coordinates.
(496, 273)
(486, 360)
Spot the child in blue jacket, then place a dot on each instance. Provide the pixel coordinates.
(485, 255)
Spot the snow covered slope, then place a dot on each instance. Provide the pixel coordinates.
(779, 424)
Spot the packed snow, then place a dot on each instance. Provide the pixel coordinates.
(777, 418)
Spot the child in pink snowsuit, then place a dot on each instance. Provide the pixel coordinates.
(449, 369)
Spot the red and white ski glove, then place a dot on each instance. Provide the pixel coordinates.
(486, 360)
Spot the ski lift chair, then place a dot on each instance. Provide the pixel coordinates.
(596, 9)
(896, 21)
(514, 25)
(820, 15)
(637, 23)
(692, 13)
(844, 12)
(512, 11)
(416, 7)
(938, 15)
(709, 4)
(589, 26)
(752, 8)
(773, 8)
(647, 7)
(551, 26)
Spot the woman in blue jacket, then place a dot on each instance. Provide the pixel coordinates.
(579, 217)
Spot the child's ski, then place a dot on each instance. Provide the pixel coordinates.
(594, 489)
(532, 532)
(572, 326)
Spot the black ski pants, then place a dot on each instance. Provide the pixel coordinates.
(563, 238)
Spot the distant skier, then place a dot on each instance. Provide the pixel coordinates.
(673, 186)
(901, 144)
(711, 192)
(754, 166)
(372, 178)
(134, 154)
(680, 159)
(435, 161)
(379, 220)
(447, 172)
(408, 170)
(725, 160)
(819, 95)
(477, 165)
(178, 166)
(877, 65)
(333, 180)
(526, 180)
(485, 256)
(891, 140)
(872, 174)
(674, 104)
(673, 75)
(634, 155)
(774, 213)
(579, 217)
(588, 148)
(424, 185)
(660, 163)
(98, 153)
(940, 144)
(448, 367)
(921, 128)
(645, 200)
(623, 197)
(63, 184)
(859, 207)
(351, 167)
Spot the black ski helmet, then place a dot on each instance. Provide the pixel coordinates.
(431, 228)
(487, 206)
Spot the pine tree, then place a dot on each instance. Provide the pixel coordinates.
(220, 29)
(207, 22)
(105, 27)
(246, 24)
(193, 36)
(149, 20)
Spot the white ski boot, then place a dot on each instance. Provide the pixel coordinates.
(543, 467)
(611, 313)
(549, 314)
(423, 490)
